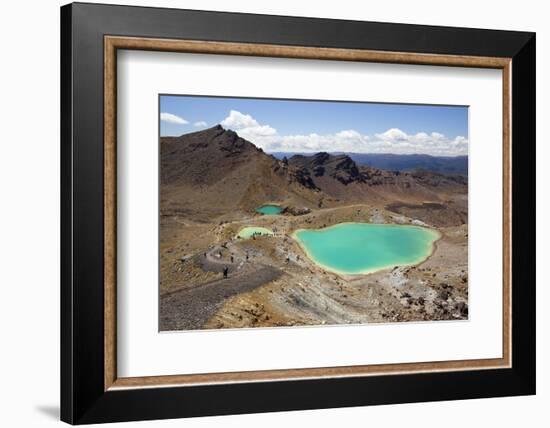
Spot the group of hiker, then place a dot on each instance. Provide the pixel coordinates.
(226, 268)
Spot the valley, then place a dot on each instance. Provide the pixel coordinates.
(214, 184)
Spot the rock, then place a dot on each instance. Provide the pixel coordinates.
(339, 167)
(296, 211)
(462, 308)
(443, 295)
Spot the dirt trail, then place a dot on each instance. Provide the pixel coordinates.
(189, 309)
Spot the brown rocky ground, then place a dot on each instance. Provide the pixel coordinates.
(211, 183)
(296, 291)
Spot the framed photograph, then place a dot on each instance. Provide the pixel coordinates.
(265, 213)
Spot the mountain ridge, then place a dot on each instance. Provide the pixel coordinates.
(450, 165)
(217, 171)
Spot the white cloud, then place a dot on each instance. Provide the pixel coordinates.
(394, 140)
(172, 118)
(247, 127)
(238, 120)
(434, 143)
(343, 141)
(200, 124)
(393, 134)
(258, 131)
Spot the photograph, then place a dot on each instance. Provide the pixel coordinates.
(290, 212)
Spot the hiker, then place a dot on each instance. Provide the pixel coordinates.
(247, 256)
(232, 258)
(225, 271)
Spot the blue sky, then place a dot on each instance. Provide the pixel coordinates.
(309, 126)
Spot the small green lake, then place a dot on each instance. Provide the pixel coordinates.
(269, 209)
(361, 248)
(249, 232)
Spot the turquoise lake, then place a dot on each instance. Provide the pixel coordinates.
(360, 248)
(269, 209)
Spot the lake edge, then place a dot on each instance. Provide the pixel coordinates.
(278, 209)
(432, 249)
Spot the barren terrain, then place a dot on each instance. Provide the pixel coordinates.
(211, 183)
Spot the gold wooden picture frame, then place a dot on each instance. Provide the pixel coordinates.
(114, 43)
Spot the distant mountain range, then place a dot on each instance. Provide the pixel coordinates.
(453, 165)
